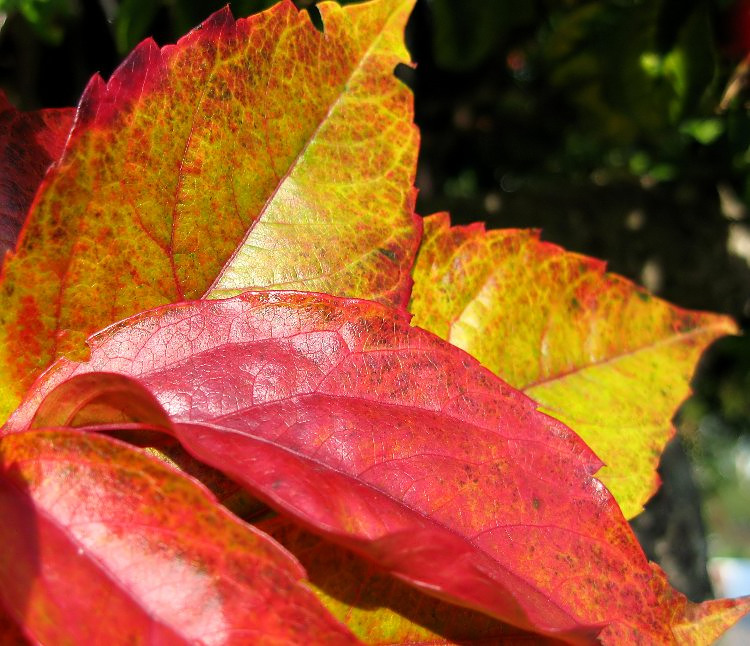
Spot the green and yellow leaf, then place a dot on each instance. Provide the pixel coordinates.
(253, 153)
(597, 352)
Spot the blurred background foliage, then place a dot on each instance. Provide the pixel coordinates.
(618, 127)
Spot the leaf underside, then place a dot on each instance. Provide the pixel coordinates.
(380, 609)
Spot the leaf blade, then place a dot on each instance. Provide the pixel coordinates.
(380, 609)
(392, 443)
(227, 161)
(595, 351)
(96, 517)
(30, 142)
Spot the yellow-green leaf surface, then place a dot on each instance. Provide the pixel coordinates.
(253, 153)
(596, 351)
(699, 624)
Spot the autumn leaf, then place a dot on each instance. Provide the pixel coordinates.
(380, 609)
(253, 153)
(102, 544)
(598, 353)
(29, 143)
(388, 441)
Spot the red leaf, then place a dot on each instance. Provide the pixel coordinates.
(10, 632)
(104, 545)
(29, 143)
(393, 443)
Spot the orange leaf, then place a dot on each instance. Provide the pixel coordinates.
(254, 153)
(597, 352)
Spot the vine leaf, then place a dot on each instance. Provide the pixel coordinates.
(384, 439)
(94, 527)
(598, 353)
(253, 153)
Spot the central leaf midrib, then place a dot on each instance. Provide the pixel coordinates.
(298, 158)
(652, 346)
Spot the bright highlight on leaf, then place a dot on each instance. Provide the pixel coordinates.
(255, 153)
(393, 443)
(29, 143)
(102, 544)
(598, 353)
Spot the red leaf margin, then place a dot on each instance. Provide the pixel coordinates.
(29, 143)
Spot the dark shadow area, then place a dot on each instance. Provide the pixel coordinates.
(372, 596)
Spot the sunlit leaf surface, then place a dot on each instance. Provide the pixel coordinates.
(596, 351)
(253, 153)
(29, 143)
(104, 545)
(389, 441)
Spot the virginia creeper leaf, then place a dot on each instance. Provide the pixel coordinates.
(29, 143)
(391, 442)
(102, 544)
(598, 353)
(254, 153)
(380, 609)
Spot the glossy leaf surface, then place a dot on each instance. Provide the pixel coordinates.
(29, 143)
(598, 353)
(388, 441)
(253, 153)
(102, 544)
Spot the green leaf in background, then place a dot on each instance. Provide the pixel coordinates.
(467, 32)
(45, 16)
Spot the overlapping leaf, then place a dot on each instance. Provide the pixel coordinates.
(380, 609)
(29, 143)
(389, 441)
(598, 353)
(257, 153)
(102, 544)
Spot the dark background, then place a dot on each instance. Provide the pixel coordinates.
(618, 127)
